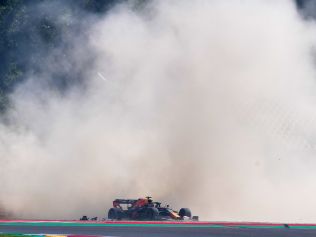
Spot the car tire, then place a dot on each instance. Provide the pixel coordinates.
(115, 214)
(152, 213)
(185, 212)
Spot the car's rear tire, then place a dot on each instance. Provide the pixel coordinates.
(152, 213)
(185, 212)
(115, 214)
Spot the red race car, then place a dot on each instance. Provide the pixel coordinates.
(146, 209)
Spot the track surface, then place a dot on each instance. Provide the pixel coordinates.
(155, 229)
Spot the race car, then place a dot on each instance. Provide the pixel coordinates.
(145, 209)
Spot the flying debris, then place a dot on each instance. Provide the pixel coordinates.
(101, 76)
(85, 218)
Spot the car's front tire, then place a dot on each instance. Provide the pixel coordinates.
(185, 212)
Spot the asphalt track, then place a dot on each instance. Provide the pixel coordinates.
(155, 229)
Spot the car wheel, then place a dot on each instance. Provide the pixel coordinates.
(115, 214)
(152, 213)
(185, 212)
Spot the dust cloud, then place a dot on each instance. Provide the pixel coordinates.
(201, 104)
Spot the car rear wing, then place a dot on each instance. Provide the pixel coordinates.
(124, 201)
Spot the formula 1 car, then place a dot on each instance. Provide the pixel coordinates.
(145, 209)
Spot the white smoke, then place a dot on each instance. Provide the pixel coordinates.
(202, 104)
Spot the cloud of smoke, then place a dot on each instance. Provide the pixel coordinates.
(202, 104)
